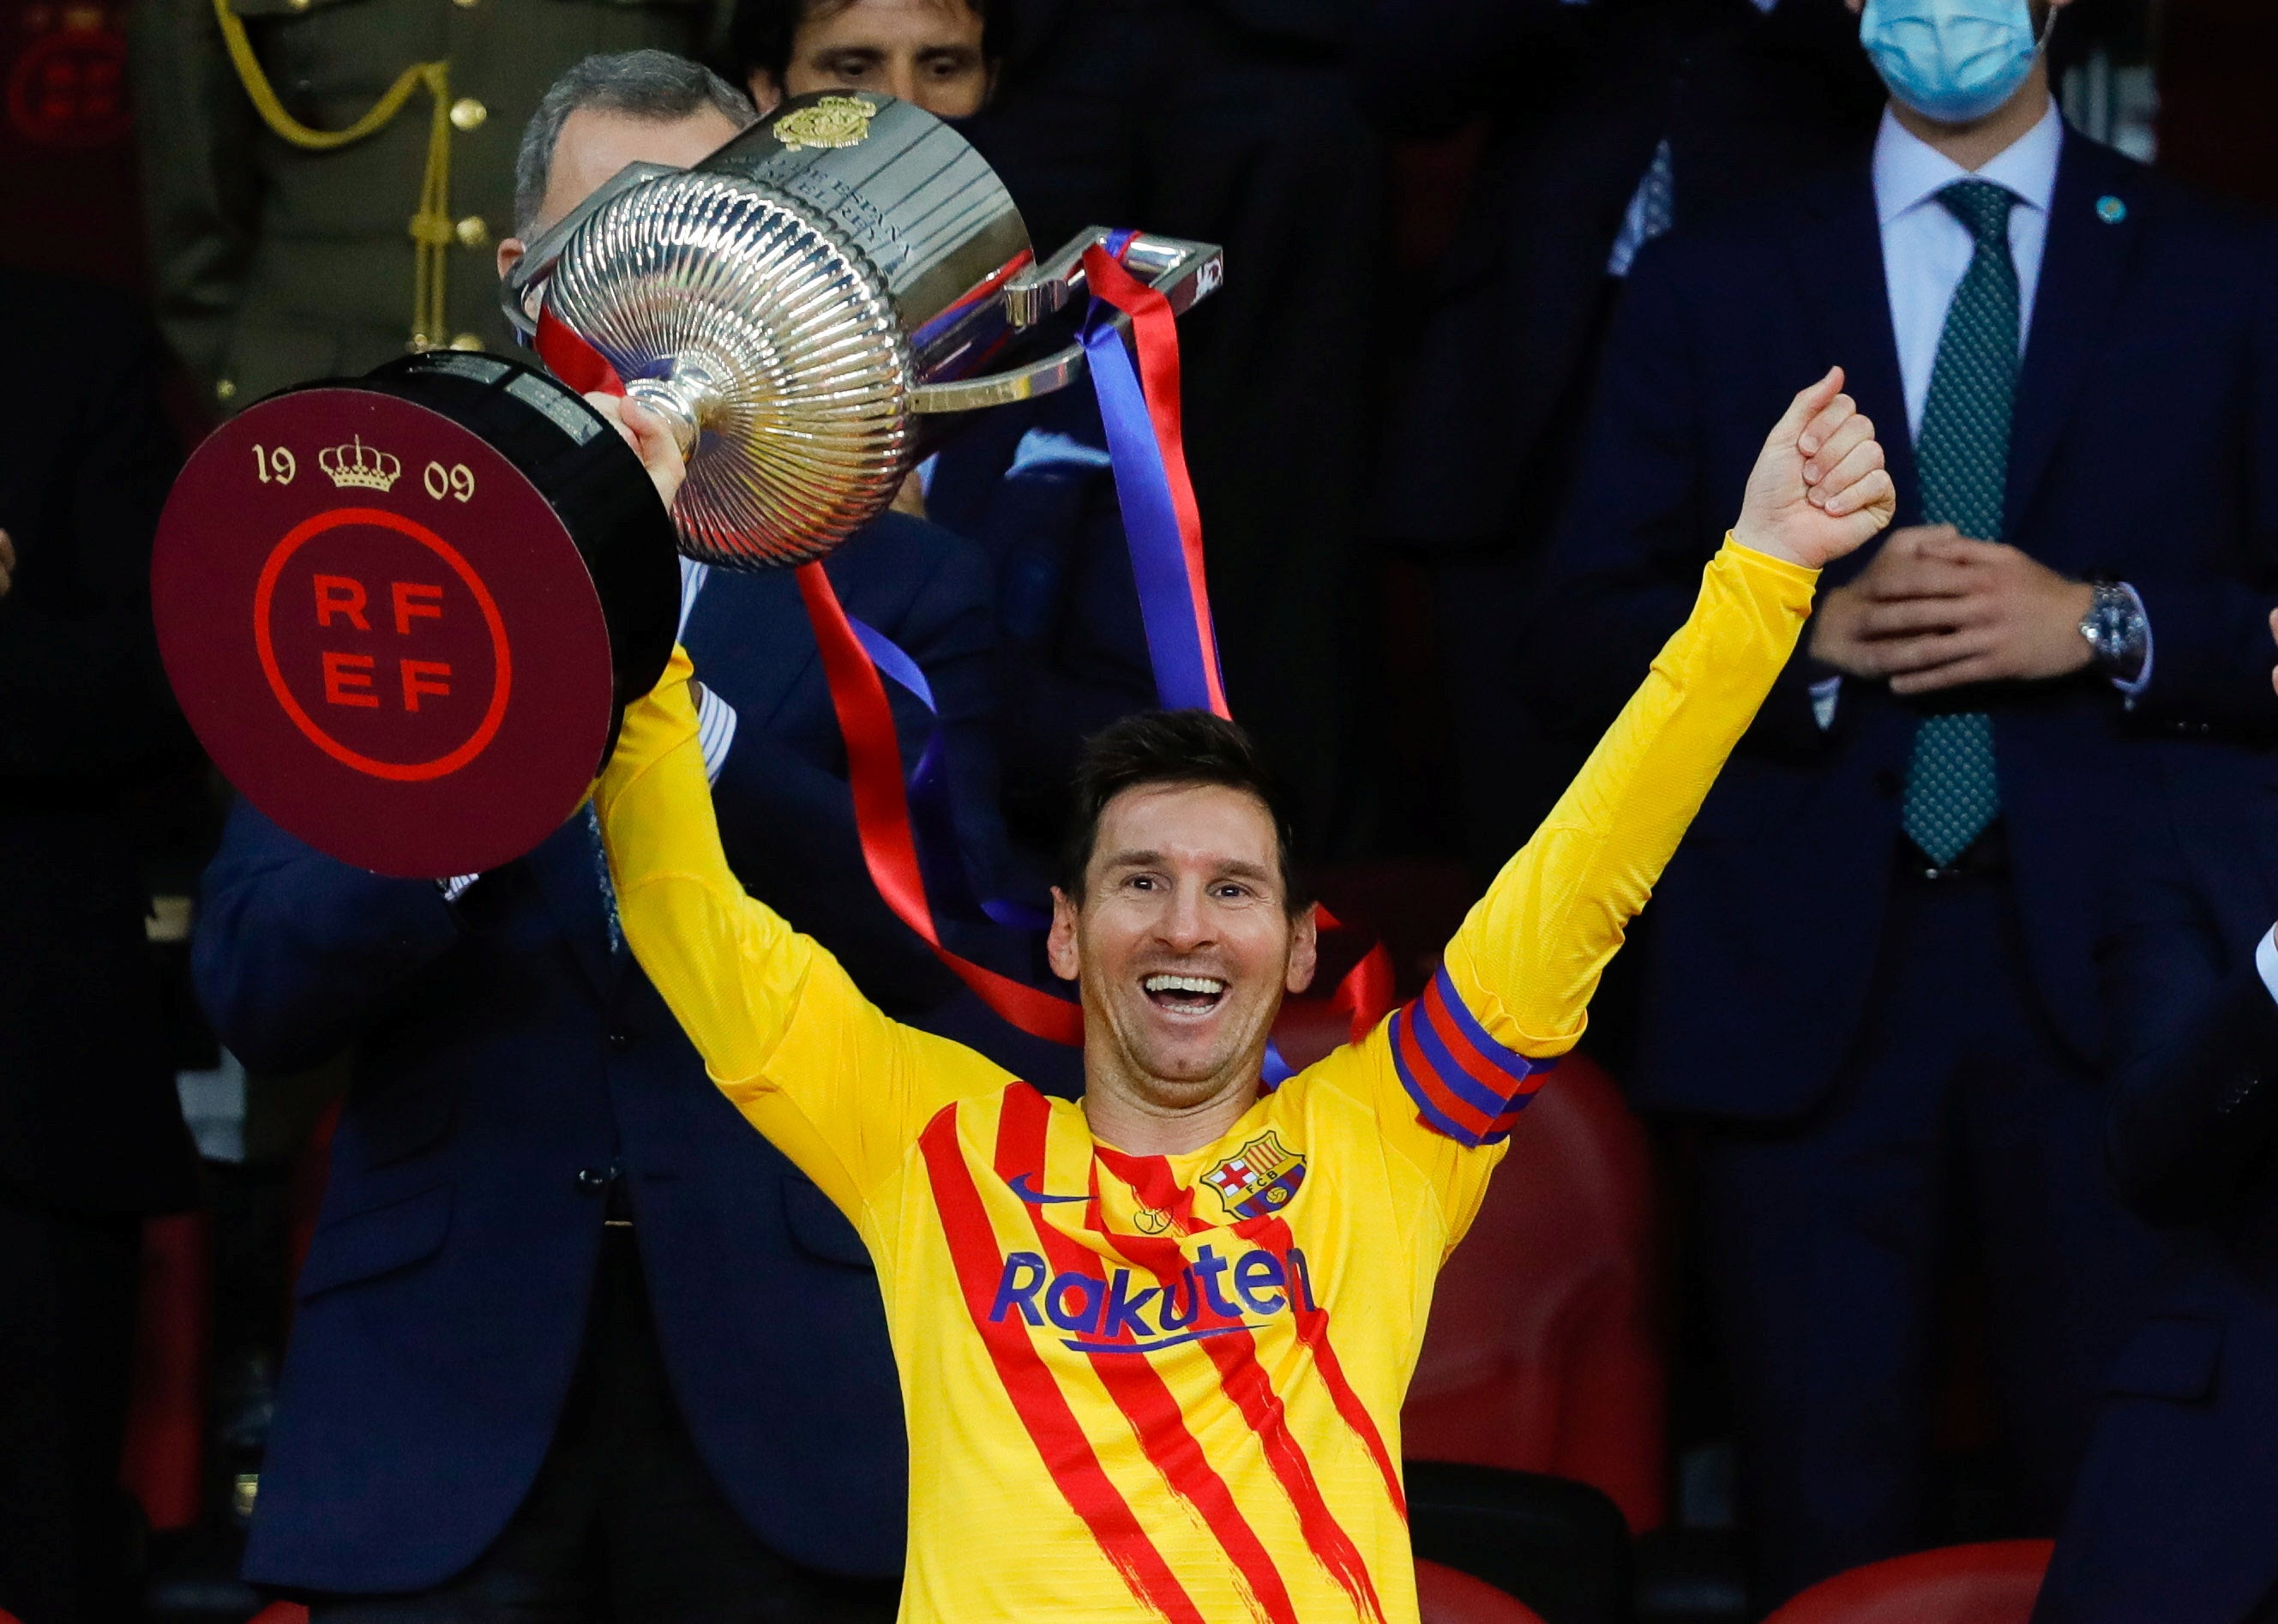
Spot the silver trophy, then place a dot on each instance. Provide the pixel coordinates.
(810, 306)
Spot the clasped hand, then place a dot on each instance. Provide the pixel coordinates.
(1936, 609)
(650, 439)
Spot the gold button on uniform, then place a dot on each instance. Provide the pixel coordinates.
(468, 113)
(466, 341)
(224, 389)
(472, 232)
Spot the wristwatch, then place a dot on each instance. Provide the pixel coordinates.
(2115, 626)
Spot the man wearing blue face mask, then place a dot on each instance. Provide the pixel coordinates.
(1871, 982)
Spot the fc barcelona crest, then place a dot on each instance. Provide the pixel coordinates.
(1260, 1179)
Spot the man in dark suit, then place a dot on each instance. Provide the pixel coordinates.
(571, 1340)
(1033, 484)
(1234, 122)
(1609, 121)
(1871, 962)
(2177, 1514)
(91, 1135)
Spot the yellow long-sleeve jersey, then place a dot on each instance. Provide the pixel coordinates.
(1169, 1387)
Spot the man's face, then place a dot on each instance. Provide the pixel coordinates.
(594, 145)
(1182, 944)
(926, 51)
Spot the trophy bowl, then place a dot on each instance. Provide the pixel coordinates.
(405, 612)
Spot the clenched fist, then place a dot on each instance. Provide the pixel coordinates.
(1820, 489)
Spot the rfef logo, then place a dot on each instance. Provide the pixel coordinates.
(1211, 1296)
(382, 644)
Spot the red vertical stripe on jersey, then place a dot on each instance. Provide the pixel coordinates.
(1136, 1387)
(1313, 1331)
(1244, 1380)
(1036, 1397)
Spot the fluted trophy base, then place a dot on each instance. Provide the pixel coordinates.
(404, 613)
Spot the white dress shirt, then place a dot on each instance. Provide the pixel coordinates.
(1926, 253)
(715, 717)
(1926, 250)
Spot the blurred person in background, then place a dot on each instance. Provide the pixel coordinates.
(2177, 1514)
(932, 52)
(1033, 484)
(1871, 974)
(91, 1135)
(1605, 124)
(571, 1342)
(1029, 482)
(1234, 122)
(306, 220)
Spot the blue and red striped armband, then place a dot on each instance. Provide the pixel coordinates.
(1465, 1083)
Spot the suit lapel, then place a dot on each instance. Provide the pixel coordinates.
(568, 873)
(2082, 271)
(1837, 251)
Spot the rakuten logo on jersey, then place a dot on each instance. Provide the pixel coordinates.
(1212, 1297)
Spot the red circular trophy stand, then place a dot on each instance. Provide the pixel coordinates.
(404, 613)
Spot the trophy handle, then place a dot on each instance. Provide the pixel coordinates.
(1183, 273)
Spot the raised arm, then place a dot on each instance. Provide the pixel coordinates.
(842, 1090)
(1527, 960)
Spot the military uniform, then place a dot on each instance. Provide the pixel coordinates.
(276, 262)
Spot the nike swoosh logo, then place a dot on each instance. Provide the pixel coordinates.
(1022, 1185)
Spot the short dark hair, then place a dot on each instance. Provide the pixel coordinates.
(761, 32)
(1173, 748)
(653, 84)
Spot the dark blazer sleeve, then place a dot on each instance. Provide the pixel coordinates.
(950, 631)
(2195, 1087)
(2211, 632)
(787, 819)
(296, 953)
(1624, 565)
(788, 827)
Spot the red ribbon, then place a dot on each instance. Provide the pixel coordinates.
(572, 360)
(874, 758)
(1156, 333)
(1367, 991)
(882, 814)
(873, 751)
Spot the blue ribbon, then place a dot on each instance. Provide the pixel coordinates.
(1150, 523)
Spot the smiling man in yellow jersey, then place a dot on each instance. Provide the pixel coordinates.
(1153, 1347)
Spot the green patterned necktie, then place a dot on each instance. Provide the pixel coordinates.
(1963, 456)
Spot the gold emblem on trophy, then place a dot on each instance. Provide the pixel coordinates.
(833, 121)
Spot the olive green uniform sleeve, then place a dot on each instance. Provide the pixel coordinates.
(197, 136)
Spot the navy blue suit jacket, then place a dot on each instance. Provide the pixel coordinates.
(1480, 447)
(1072, 648)
(2144, 448)
(2175, 1517)
(501, 1048)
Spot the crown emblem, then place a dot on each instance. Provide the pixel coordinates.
(359, 464)
(829, 121)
